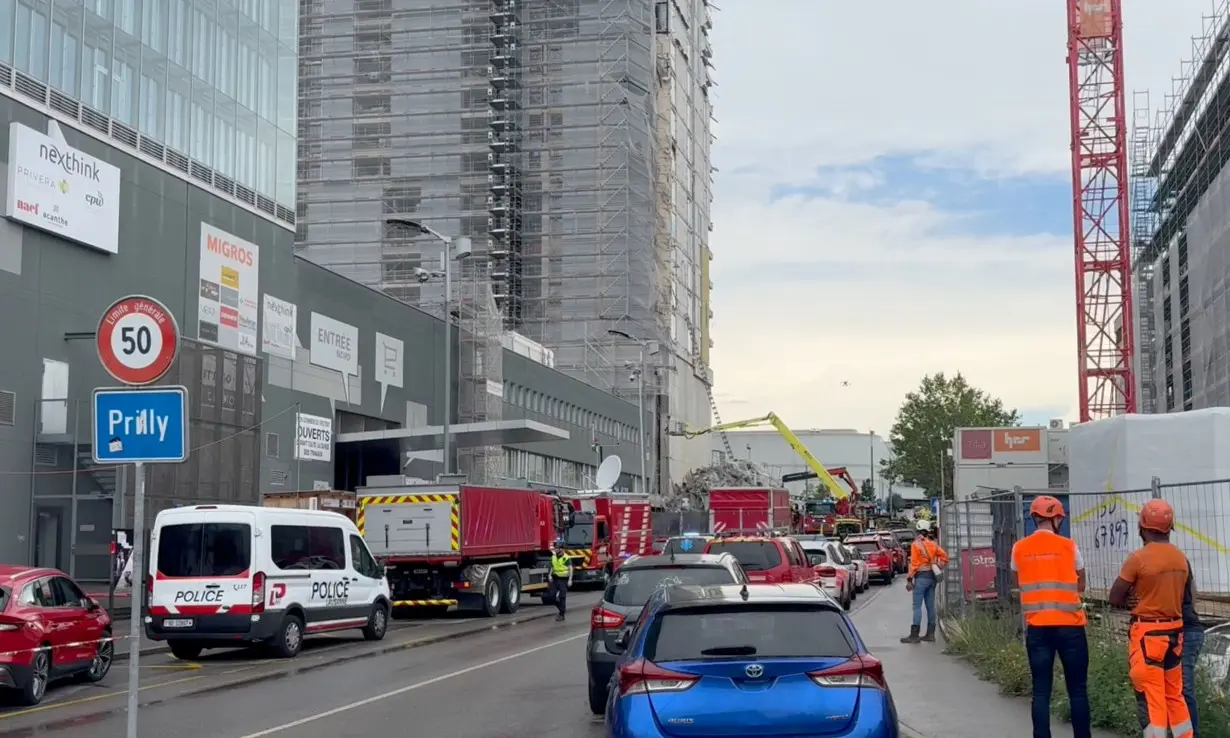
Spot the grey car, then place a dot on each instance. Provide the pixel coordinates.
(626, 594)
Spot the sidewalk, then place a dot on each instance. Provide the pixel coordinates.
(939, 696)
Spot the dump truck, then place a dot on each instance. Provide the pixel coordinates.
(746, 511)
(470, 546)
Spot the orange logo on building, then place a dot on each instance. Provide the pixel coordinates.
(1018, 440)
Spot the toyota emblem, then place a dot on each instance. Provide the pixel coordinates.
(754, 671)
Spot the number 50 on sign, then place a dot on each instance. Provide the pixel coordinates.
(137, 340)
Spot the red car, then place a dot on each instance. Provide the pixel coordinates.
(901, 557)
(770, 560)
(49, 630)
(880, 562)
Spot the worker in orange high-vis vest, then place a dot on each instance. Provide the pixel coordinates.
(1157, 575)
(1050, 574)
(927, 560)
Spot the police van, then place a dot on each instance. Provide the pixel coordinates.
(225, 575)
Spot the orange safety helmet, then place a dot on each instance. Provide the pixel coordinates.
(1045, 506)
(1157, 515)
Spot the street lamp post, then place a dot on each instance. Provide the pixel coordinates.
(640, 408)
(459, 248)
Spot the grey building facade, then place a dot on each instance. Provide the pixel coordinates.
(245, 406)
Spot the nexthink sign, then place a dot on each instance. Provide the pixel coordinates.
(62, 190)
(140, 425)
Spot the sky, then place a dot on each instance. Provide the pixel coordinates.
(893, 199)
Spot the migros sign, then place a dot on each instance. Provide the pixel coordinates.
(227, 250)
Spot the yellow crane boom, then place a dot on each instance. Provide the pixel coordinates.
(830, 482)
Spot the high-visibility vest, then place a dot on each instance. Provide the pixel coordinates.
(1046, 572)
(560, 565)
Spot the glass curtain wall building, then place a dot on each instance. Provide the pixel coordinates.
(206, 87)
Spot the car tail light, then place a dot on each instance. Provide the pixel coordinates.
(601, 618)
(646, 677)
(826, 571)
(258, 593)
(862, 670)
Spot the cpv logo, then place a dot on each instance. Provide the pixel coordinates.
(277, 593)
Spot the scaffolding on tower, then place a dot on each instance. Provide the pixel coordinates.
(1104, 315)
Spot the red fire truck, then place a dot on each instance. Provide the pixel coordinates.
(607, 527)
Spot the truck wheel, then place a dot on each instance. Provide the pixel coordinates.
(510, 583)
(492, 596)
(289, 641)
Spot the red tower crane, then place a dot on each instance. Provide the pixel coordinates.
(1104, 329)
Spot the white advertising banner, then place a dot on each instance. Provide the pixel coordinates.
(313, 438)
(61, 190)
(278, 321)
(229, 302)
(335, 345)
(390, 364)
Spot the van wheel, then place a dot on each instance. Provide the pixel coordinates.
(377, 623)
(492, 596)
(289, 641)
(510, 582)
(185, 650)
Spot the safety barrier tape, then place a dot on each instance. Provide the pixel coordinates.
(73, 644)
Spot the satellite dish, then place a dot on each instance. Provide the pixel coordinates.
(608, 473)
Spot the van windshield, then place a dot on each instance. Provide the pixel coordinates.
(205, 550)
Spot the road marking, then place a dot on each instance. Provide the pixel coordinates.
(411, 687)
(93, 698)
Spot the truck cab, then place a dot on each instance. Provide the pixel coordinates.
(587, 542)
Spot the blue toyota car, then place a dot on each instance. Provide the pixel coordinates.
(747, 660)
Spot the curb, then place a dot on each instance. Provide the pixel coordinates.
(908, 732)
(389, 648)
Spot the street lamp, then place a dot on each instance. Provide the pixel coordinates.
(638, 374)
(459, 249)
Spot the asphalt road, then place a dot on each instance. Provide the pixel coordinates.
(228, 694)
(526, 679)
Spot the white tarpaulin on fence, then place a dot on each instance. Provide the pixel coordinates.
(1125, 453)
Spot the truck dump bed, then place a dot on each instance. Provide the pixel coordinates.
(749, 510)
(431, 521)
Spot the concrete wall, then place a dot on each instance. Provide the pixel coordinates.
(243, 408)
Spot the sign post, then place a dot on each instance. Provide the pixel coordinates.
(137, 341)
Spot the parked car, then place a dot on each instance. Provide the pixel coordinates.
(771, 559)
(904, 536)
(685, 544)
(862, 578)
(880, 564)
(749, 660)
(49, 630)
(628, 591)
(901, 558)
(834, 578)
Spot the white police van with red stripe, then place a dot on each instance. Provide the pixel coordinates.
(222, 576)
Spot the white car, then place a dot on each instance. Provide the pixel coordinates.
(827, 553)
(837, 552)
(862, 578)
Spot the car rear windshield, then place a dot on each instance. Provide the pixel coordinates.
(762, 631)
(685, 545)
(633, 587)
(905, 536)
(816, 556)
(205, 549)
(866, 546)
(752, 555)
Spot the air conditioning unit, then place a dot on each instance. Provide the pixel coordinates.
(1057, 424)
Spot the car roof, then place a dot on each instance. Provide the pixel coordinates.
(734, 594)
(748, 539)
(863, 538)
(701, 559)
(11, 573)
(814, 545)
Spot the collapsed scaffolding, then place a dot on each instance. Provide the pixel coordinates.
(1178, 223)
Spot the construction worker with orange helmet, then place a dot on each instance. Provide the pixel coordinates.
(1157, 574)
(1050, 575)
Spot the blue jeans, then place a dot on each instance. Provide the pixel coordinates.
(1193, 641)
(1042, 643)
(924, 593)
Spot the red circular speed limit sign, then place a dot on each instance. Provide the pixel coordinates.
(137, 340)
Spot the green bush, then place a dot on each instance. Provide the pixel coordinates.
(992, 645)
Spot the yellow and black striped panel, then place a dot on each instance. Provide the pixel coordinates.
(423, 603)
(580, 557)
(454, 513)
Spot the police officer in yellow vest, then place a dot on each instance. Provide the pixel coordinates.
(561, 578)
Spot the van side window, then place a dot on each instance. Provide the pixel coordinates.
(363, 562)
(301, 547)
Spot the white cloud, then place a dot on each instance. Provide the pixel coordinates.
(800, 305)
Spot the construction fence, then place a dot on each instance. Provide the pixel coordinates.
(979, 533)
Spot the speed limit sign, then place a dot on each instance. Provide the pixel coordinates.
(137, 340)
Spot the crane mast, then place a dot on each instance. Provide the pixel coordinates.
(1104, 315)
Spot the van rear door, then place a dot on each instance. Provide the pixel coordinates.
(202, 573)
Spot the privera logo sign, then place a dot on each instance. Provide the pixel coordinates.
(62, 190)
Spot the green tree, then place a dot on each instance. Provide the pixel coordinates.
(923, 432)
(867, 491)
